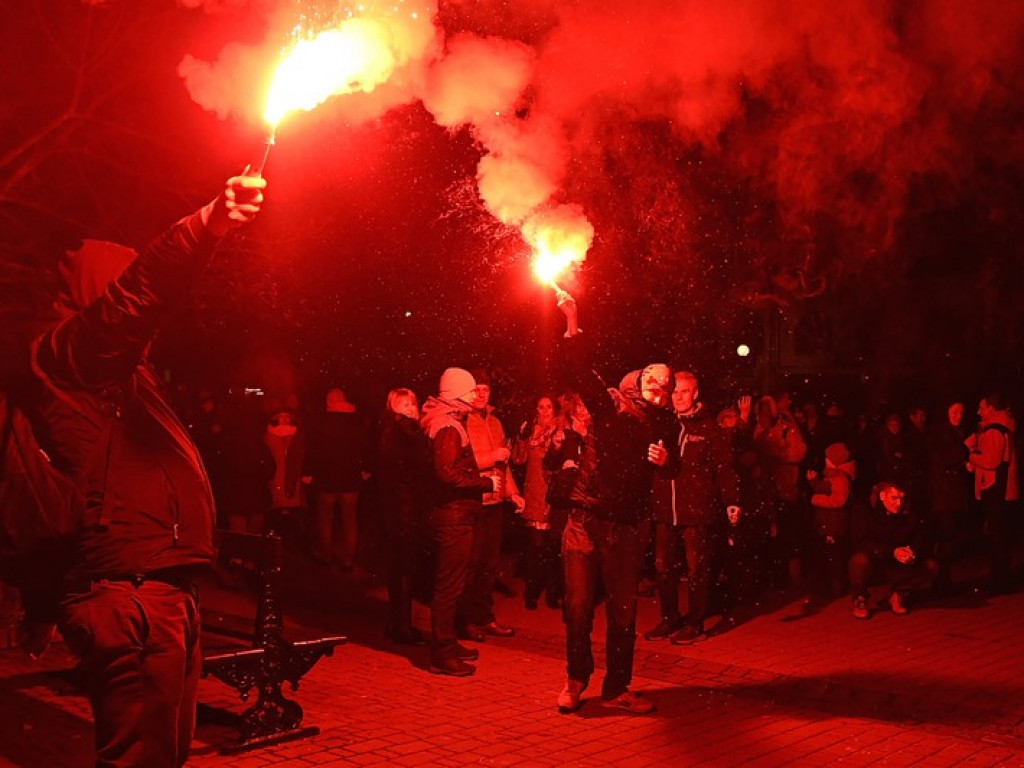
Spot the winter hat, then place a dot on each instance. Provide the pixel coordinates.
(837, 454)
(456, 383)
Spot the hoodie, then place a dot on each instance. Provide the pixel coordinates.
(103, 415)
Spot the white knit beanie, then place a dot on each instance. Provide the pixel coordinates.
(456, 383)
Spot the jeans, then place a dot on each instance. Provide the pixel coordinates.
(454, 543)
(596, 550)
(698, 545)
(476, 605)
(334, 542)
(917, 576)
(543, 564)
(140, 665)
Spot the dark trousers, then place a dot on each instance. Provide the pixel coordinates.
(745, 560)
(697, 544)
(140, 664)
(596, 550)
(402, 562)
(337, 526)
(476, 605)
(454, 545)
(544, 564)
(917, 576)
(1000, 536)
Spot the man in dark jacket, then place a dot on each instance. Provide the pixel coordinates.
(336, 463)
(610, 505)
(698, 503)
(891, 545)
(458, 490)
(130, 610)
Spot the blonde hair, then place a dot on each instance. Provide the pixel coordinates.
(395, 394)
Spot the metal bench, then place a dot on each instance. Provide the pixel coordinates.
(257, 655)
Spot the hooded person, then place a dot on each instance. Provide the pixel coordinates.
(104, 419)
(86, 272)
(457, 497)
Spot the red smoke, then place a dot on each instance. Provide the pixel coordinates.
(826, 108)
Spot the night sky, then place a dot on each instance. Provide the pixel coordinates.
(852, 172)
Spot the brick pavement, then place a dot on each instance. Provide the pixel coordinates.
(942, 686)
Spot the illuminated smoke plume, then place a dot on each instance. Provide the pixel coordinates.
(401, 36)
(827, 109)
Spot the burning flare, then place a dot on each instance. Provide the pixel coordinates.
(560, 238)
(354, 56)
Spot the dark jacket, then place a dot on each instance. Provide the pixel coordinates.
(457, 488)
(624, 425)
(403, 469)
(336, 452)
(948, 479)
(883, 533)
(706, 482)
(109, 425)
(573, 487)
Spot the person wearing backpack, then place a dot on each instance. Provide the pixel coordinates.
(129, 608)
(993, 460)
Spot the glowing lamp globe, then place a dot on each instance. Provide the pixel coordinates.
(742, 350)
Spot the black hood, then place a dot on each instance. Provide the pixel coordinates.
(86, 273)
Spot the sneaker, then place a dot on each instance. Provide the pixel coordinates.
(453, 667)
(569, 700)
(462, 653)
(896, 604)
(663, 630)
(630, 702)
(860, 607)
(688, 635)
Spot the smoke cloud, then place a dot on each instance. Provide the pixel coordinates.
(830, 109)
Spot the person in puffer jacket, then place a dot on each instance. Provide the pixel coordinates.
(457, 502)
(831, 502)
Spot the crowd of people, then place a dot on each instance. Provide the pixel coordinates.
(623, 488)
(607, 492)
